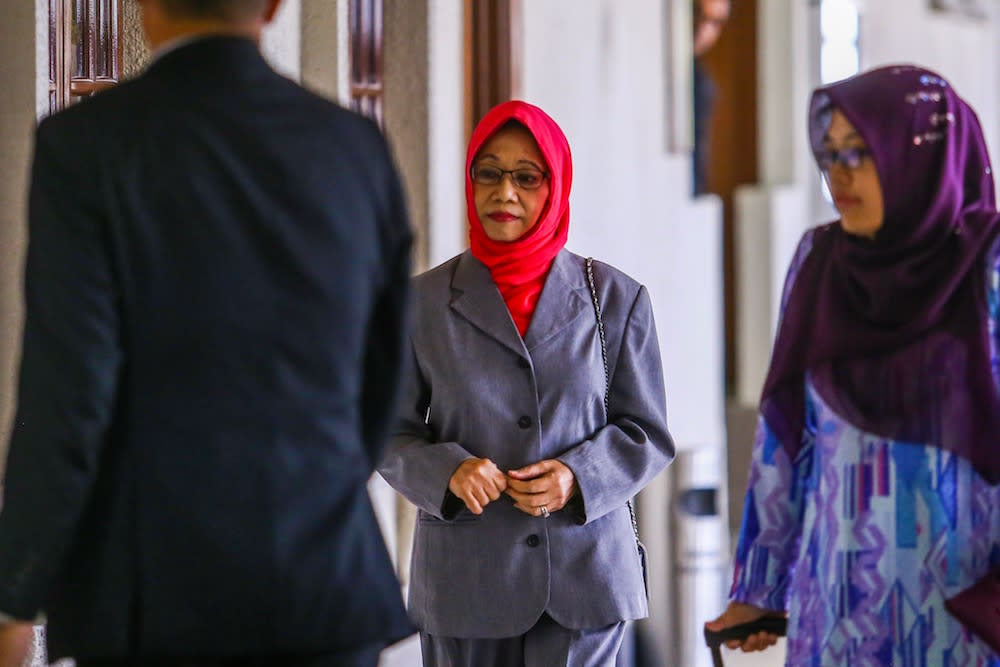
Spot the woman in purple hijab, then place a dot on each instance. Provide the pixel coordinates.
(873, 491)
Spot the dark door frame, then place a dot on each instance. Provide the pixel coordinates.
(492, 62)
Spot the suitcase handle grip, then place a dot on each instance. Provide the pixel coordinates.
(776, 625)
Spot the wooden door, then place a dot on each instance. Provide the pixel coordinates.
(366, 44)
(85, 49)
(492, 45)
(732, 65)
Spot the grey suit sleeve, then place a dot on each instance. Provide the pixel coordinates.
(416, 465)
(70, 365)
(635, 446)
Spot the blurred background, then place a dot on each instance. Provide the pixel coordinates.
(692, 173)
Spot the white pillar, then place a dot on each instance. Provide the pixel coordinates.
(446, 218)
(281, 41)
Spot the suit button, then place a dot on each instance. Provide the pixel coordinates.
(533, 540)
(523, 363)
(524, 422)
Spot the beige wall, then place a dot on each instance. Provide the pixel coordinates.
(134, 50)
(406, 107)
(324, 48)
(17, 120)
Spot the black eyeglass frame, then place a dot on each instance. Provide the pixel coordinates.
(849, 158)
(513, 178)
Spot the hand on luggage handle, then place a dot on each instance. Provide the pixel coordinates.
(774, 624)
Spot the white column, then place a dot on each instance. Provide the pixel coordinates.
(282, 40)
(325, 55)
(770, 217)
(446, 217)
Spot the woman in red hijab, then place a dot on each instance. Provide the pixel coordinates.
(527, 423)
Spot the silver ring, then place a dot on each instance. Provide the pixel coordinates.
(543, 511)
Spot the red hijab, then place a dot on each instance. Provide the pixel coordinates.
(519, 267)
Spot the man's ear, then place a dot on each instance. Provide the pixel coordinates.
(272, 9)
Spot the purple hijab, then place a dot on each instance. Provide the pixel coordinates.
(893, 331)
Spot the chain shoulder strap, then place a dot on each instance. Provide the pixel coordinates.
(607, 375)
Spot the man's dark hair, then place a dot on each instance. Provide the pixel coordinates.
(226, 10)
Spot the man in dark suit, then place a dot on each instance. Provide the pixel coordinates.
(215, 292)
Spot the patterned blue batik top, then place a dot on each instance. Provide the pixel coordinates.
(862, 538)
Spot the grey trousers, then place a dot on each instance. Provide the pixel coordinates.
(546, 644)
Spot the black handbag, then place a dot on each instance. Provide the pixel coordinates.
(607, 382)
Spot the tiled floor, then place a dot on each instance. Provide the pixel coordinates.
(407, 654)
(402, 654)
(772, 657)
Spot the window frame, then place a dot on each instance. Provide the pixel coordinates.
(85, 49)
(367, 58)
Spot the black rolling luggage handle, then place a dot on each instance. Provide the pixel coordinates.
(776, 625)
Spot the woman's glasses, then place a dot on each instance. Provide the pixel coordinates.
(523, 179)
(848, 158)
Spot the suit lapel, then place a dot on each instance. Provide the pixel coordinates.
(478, 300)
(564, 298)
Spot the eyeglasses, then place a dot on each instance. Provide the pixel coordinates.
(848, 158)
(523, 179)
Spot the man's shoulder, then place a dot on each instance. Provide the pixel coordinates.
(108, 107)
(141, 104)
(355, 123)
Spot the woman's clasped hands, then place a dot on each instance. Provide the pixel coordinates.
(538, 489)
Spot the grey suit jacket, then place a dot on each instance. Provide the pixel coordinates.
(491, 394)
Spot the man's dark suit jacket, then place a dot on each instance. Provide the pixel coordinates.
(215, 292)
